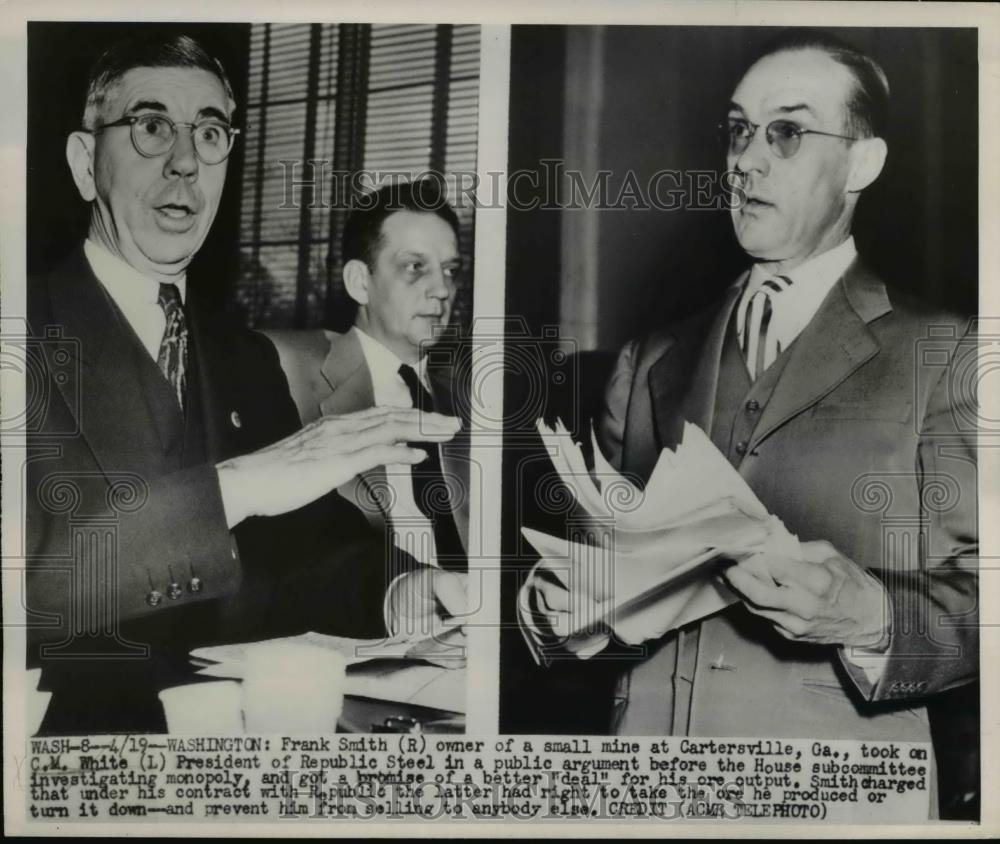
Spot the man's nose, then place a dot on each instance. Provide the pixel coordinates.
(441, 284)
(182, 161)
(756, 156)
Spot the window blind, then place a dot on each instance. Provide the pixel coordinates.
(384, 98)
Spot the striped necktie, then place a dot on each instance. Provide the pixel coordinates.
(172, 358)
(759, 345)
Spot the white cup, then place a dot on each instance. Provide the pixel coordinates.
(290, 687)
(203, 709)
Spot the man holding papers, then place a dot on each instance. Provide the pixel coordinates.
(401, 269)
(840, 411)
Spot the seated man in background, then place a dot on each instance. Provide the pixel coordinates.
(172, 499)
(401, 264)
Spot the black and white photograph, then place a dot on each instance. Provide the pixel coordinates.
(757, 255)
(532, 419)
(246, 460)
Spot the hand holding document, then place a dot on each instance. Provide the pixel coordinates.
(640, 562)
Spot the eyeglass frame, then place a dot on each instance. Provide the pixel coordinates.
(131, 119)
(725, 129)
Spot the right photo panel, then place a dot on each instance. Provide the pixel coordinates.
(740, 468)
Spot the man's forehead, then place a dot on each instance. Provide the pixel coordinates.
(418, 230)
(182, 91)
(796, 78)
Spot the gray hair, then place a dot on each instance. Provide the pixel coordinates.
(155, 51)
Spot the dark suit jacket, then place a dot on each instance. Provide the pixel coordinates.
(328, 376)
(867, 441)
(123, 501)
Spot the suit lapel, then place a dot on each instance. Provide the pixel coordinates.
(108, 401)
(350, 381)
(347, 375)
(215, 383)
(685, 391)
(835, 343)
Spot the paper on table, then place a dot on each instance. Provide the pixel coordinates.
(421, 685)
(227, 660)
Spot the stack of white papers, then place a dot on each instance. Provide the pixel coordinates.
(228, 660)
(642, 559)
(390, 669)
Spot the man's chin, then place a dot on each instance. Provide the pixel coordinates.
(758, 244)
(174, 251)
(425, 341)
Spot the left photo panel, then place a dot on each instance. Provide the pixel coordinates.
(247, 478)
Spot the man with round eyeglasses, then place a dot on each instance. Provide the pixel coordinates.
(817, 382)
(155, 134)
(176, 500)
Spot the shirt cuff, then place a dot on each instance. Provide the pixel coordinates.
(871, 662)
(540, 642)
(388, 616)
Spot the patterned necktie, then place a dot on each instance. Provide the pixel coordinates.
(429, 488)
(172, 358)
(760, 346)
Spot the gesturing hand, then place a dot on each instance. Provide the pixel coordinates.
(823, 598)
(323, 455)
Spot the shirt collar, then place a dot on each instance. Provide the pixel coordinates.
(821, 272)
(123, 281)
(383, 361)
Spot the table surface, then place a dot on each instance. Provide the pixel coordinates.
(361, 714)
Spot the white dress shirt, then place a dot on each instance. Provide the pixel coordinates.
(136, 295)
(793, 308)
(411, 530)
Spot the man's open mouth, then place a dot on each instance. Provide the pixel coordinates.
(175, 211)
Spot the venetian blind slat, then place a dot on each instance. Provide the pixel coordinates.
(398, 133)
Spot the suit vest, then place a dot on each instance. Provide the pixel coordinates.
(737, 407)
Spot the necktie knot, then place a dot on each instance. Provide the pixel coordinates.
(170, 296)
(421, 399)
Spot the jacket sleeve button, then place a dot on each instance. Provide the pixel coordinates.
(174, 591)
(194, 584)
(154, 598)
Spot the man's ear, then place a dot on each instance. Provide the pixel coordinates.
(867, 159)
(80, 157)
(356, 278)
